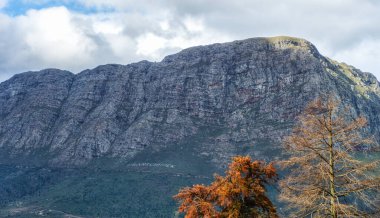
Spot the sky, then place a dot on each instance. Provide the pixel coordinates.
(76, 35)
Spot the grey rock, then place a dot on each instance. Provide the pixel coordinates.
(221, 99)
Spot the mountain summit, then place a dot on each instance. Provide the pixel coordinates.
(188, 113)
(245, 92)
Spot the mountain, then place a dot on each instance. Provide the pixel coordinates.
(126, 137)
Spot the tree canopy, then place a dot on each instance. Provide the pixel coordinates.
(240, 193)
(325, 178)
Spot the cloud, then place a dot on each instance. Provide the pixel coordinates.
(44, 38)
(125, 31)
(60, 38)
(56, 37)
(365, 53)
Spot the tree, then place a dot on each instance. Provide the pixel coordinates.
(325, 179)
(241, 193)
(197, 201)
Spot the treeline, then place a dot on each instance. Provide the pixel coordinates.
(16, 182)
(324, 178)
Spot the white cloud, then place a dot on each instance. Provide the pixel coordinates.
(149, 44)
(194, 25)
(174, 37)
(107, 27)
(52, 36)
(124, 31)
(44, 38)
(365, 53)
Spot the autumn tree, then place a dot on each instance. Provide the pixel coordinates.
(325, 178)
(240, 193)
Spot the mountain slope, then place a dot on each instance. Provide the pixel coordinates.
(187, 114)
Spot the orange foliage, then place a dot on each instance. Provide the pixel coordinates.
(241, 193)
(196, 201)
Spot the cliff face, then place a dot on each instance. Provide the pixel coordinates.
(210, 101)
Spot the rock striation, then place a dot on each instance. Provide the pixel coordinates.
(220, 100)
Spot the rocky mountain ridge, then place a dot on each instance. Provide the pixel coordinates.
(220, 100)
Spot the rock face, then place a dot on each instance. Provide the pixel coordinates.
(220, 100)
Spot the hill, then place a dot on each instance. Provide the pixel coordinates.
(119, 140)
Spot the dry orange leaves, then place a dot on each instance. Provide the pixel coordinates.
(240, 193)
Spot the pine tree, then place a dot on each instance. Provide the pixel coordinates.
(325, 179)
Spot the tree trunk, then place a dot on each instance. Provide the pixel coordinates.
(333, 211)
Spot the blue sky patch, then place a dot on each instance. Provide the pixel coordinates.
(20, 7)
